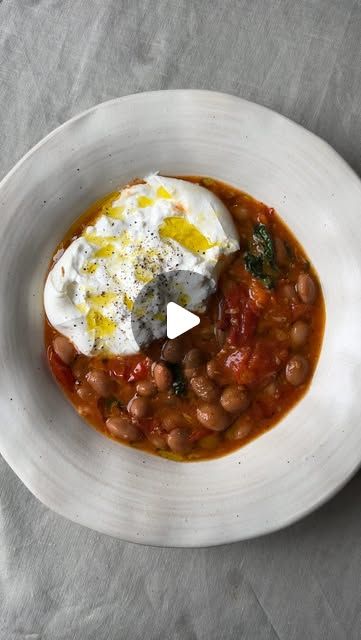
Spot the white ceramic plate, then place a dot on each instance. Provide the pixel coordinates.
(86, 477)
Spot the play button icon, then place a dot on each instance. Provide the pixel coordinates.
(179, 320)
(169, 305)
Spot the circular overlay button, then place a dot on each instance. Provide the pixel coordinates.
(187, 289)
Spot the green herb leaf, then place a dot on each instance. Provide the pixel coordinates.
(106, 405)
(179, 383)
(179, 387)
(263, 241)
(111, 402)
(254, 264)
(260, 259)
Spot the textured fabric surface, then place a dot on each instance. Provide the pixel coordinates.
(59, 581)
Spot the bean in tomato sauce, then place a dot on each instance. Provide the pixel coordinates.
(228, 380)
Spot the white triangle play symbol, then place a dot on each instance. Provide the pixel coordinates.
(179, 320)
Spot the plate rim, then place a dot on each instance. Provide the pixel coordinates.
(144, 94)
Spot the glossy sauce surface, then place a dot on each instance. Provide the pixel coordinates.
(228, 380)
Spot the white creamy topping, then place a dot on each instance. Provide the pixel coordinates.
(153, 228)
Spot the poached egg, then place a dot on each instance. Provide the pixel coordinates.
(153, 228)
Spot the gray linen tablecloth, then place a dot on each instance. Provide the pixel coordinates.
(59, 581)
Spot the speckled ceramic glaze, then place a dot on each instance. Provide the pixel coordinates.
(123, 492)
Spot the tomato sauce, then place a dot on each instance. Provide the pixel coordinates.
(228, 380)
